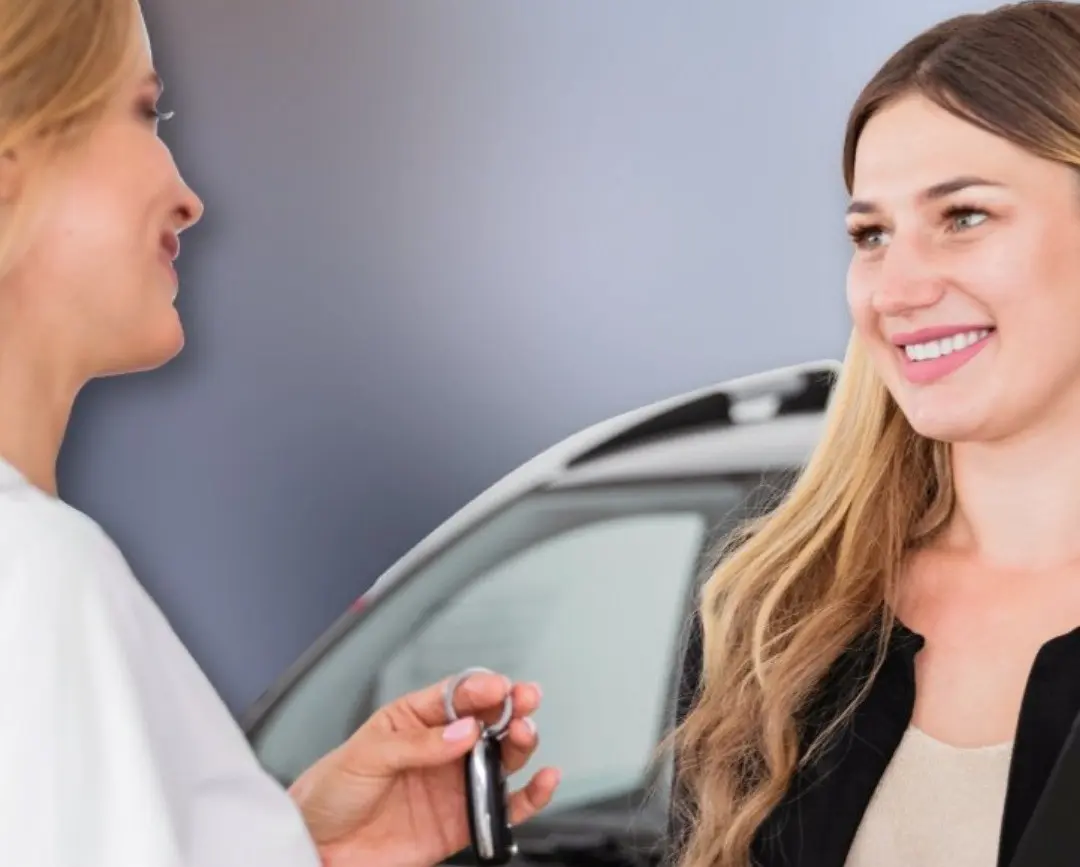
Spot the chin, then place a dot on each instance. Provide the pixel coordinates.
(162, 351)
(947, 430)
(950, 418)
(153, 348)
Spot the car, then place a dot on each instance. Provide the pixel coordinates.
(579, 570)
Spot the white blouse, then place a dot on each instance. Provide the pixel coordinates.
(115, 749)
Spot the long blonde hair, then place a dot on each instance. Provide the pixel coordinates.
(798, 586)
(61, 62)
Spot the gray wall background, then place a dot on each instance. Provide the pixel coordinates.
(440, 237)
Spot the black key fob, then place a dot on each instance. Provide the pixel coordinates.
(486, 800)
(487, 803)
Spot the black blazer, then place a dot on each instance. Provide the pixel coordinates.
(815, 824)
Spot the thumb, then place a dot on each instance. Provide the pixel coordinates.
(397, 751)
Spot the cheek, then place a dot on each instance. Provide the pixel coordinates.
(86, 248)
(88, 277)
(94, 228)
(1030, 287)
(1051, 288)
(866, 321)
(859, 294)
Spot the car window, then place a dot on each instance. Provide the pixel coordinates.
(585, 591)
(593, 615)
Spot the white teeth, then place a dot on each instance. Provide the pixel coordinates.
(944, 346)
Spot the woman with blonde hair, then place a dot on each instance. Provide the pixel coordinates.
(885, 667)
(115, 750)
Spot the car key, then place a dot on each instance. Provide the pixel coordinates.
(489, 819)
(486, 801)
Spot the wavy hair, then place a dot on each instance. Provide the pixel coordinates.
(796, 587)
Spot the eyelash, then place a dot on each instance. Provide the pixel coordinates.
(860, 234)
(151, 112)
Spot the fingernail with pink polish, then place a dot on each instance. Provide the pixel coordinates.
(459, 729)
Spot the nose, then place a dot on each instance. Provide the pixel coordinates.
(190, 208)
(910, 278)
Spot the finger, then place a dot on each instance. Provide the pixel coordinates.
(524, 701)
(483, 697)
(477, 694)
(526, 698)
(527, 802)
(519, 744)
(386, 752)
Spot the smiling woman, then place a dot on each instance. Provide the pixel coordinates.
(992, 253)
(884, 668)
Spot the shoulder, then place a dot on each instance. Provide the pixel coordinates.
(57, 565)
(81, 714)
(37, 528)
(852, 666)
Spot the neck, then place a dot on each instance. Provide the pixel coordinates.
(1018, 501)
(36, 400)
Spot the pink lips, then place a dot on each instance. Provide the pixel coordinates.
(170, 243)
(170, 249)
(932, 369)
(936, 332)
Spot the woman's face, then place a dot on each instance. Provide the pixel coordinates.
(964, 282)
(94, 277)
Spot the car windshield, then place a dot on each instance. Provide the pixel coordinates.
(585, 591)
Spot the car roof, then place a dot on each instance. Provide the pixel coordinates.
(774, 446)
(761, 421)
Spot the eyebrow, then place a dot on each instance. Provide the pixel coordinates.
(937, 191)
(153, 78)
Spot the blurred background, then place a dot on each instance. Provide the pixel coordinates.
(439, 238)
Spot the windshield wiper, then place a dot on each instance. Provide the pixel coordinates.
(585, 849)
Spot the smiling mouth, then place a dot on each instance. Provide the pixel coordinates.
(943, 346)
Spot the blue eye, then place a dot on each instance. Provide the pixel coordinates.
(965, 218)
(867, 237)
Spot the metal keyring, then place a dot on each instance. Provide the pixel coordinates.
(500, 727)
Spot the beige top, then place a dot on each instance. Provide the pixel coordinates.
(936, 806)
